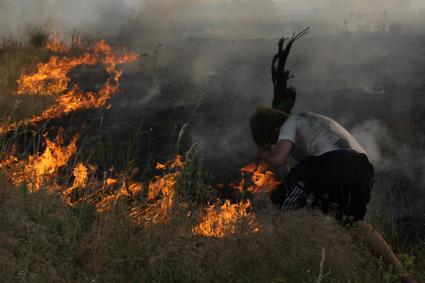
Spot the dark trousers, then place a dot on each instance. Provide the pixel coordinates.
(338, 182)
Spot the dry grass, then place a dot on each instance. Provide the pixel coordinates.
(17, 58)
(43, 240)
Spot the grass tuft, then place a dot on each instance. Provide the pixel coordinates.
(38, 37)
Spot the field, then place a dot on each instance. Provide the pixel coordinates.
(103, 189)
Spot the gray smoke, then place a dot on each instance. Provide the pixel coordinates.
(159, 20)
(399, 167)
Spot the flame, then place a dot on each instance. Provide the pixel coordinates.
(263, 180)
(161, 195)
(109, 195)
(220, 221)
(102, 194)
(38, 170)
(53, 79)
(154, 209)
(81, 173)
(151, 203)
(56, 45)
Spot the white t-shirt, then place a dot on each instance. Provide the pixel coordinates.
(315, 134)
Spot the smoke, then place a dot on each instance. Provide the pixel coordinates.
(367, 135)
(161, 20)
(94, 16)
(399, 170)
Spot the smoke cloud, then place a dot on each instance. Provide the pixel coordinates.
(159, 20)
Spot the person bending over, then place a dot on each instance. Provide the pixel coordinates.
(333, 173)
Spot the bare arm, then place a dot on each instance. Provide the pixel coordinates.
(278, 155)
(381, 247)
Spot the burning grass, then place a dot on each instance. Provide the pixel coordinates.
(150, 203)
(158, 231)
(53, 79)
(68, 218)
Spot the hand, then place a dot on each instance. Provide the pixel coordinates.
(261, 150)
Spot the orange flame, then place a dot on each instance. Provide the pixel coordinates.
(155, 208)
(56, 45)
(161, 195)
(38, 170)
(264, 181)
(81, 174)
(102, 194)
(53, 79)
(108, 196)
(156, 203)
(220, 221)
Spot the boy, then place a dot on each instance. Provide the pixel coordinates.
(333, 169)
(333, 172)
